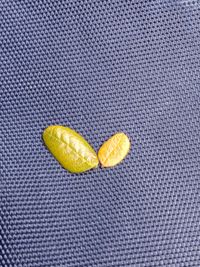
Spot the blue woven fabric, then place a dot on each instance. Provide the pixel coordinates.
(101, 67)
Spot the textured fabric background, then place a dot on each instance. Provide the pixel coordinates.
(101, 67)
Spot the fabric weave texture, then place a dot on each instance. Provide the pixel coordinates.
(101, 67)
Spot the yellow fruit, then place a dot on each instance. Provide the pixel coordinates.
(70, 149)
(114, 150)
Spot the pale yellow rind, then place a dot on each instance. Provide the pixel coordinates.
(114, 150)
(71, 150)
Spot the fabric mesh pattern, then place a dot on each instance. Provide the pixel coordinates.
(101, 67)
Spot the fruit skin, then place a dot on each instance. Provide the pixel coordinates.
(114, 150)
(71, 150)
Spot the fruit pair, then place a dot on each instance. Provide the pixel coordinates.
(76, 155)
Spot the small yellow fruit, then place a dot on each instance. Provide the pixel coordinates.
(70, 149)
(114, 150)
